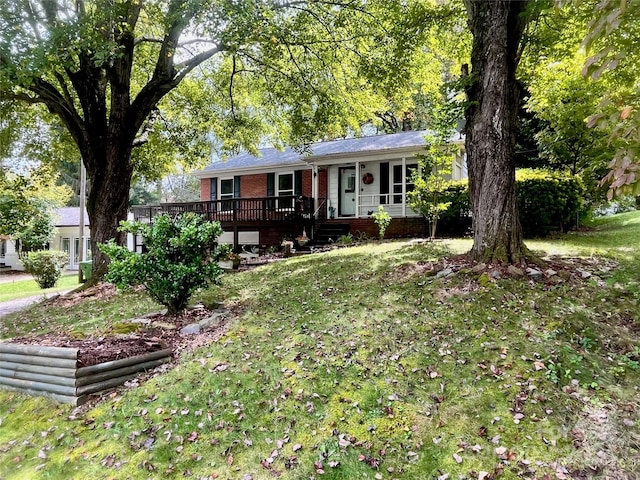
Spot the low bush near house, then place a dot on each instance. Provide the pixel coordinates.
(547, 202)
(181, 257)
(382, 219)
(45, 265)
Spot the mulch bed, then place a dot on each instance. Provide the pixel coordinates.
(158, 331)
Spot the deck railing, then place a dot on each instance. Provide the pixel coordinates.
(236, 210)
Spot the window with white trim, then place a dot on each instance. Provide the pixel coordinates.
(226, 193)
(285, 187)
(398, 180)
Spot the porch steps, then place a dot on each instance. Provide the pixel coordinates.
(330, 233)
(4, 266)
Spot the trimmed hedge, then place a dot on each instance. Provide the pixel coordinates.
(547, 202)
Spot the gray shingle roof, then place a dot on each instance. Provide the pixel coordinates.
(272, 157)
(69, 217)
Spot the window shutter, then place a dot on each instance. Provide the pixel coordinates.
(384, 181)
(297, 182)
(271, 190)
(271, 184)
(236, 187)
(213, 194)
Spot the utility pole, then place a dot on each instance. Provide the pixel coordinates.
(81, 195)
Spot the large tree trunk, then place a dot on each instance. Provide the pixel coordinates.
(107, 204)
(491, 115)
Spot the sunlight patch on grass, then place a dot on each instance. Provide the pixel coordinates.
(28, 288)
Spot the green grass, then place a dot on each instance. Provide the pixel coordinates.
(28, 288)
(354, 362)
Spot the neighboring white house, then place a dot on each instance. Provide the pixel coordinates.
(67, 239)
(8, 256)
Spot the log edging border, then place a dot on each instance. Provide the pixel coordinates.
(53, 372)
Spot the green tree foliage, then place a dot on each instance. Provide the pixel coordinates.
(180, 257)
(46, 266)
(434, 175)
(563, 99)
(27, 203)
(612, 41)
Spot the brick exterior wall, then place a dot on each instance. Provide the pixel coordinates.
(323, 183)
(205, 189)
(398, 228)
(253, 186)
(307, 183)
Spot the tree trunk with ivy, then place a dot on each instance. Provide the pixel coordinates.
(493, 97)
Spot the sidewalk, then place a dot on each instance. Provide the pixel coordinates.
(14, 305)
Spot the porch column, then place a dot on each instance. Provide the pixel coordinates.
(315, 187)
(404, 186)
(357, 189)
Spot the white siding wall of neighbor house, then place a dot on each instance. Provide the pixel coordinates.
(10, 257)
(67, 240)
(244, 238)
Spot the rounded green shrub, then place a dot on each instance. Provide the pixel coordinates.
(548, 201)
(46, 266)
(180, 257)
(456, 219)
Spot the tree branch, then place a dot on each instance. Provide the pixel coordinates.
(147, 40)
(185, 67)
(148, 128)
(63, 86)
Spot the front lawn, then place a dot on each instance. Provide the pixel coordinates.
(13, 290)
(359, 363)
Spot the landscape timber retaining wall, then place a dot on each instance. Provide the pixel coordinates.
(53, 371)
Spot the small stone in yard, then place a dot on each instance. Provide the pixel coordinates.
(534, 273)
(479, 268)
(164, 325)
(192, 329)
(444, 273)
(515, 271)
(213, 320)
(140, 321)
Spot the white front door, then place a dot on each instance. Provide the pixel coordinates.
(347, 185)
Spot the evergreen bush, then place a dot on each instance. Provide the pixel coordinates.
(45, 265)
(181, 255)
(547, 202)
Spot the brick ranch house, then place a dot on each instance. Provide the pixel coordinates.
(330, 190)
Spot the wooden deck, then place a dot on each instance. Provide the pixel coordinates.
(239, 211)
